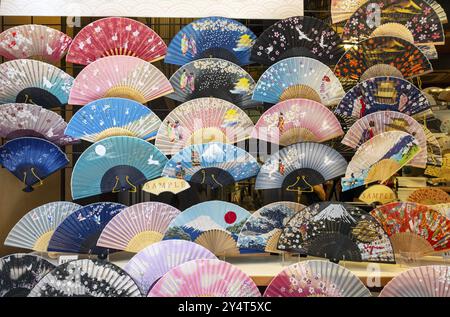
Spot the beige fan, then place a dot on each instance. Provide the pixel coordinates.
(381, 70)
(408, 243)
(429, 196)
(394, 29)
(382, 170)
(218, 242)
(272, 243)
(300, 91)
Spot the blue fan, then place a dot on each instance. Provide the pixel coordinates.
(79, 232)
(116, 164)
(113, 117)
(31, 160)
(211, 37)
(215, 164)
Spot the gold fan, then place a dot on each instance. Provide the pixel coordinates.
(272, 242)
(297, 135)
(429, 196)
(219, 242)
(382, 170)
(378, 194)
(300, 91)
(125, 92)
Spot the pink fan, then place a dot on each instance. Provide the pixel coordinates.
(116, 36)
(137, 227)
(205, 278)
(119, 76)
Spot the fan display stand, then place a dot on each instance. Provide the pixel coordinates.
(298, 189)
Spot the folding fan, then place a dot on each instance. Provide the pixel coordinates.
(301, 166)
(166, 184)
(433, 148)
(423, 281)
(115, 36)
(138, 226)
(263, 228)
(200, 121)
(34, 41)
(30, 81)
(212, 224)
(443, 209)
(86, 278)
(414, 228)
(116, 164)
(113, 117)
(381, 56)
(211, 37)
(79, 231)
(297, 120)
(32, 160)
(119, 76)
(429, 196)
(153, 262)
(414, 20)
(205, 278)
(380, 158)
(316, 278)
(383, 121)
(215, 164)
(378, 194)
(429, 51)
(35, 229)
(336, 231)
(299, 77)
(213, 77)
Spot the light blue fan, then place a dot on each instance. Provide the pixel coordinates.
(113, 117)
(211, 37)
(79, 232)
(215, 164)
(116, 164)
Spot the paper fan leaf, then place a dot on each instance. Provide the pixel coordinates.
(380, 158)
(34, 230)
(166, 184)
(205, 278)
(316, 278)
(299, 77)
(116, 164)
(113, 117)
(115, 36)
(86, 278)
(32, 160)
(298, 36)
(297, 120)
(215, 164)
(378, 194)
(433, 148)
(429, 196)
(119, 76)
(213, 77)
(201, 121)
(137, 227)
(30, 81)
(302, 166)
(443, 209)
(211, 37)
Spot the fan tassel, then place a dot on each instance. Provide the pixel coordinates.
(133, 188)
(29, 188)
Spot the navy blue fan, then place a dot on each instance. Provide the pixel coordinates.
(31, 160)
(79, 232)
(211, 37)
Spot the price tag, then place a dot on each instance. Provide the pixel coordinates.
(67, 258)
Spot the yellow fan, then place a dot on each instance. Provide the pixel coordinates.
(166, 184)
(378, 194)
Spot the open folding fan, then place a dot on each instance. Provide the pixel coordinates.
(200, 121)
(115, 36)
(212, 224)
(30, 81)
(298, 36)
(205, 278)
(378, 194)
(263, 228)
(108, 117)
(381, 56)
(316, 278)
(211, 37)
(32, 160)
(86, 278)
(165, 184)
(297, 120)
(433, 148)
(138, 226)
(423, 281)
(79, 231)
(429, 51)
(213, 77)
(151, 263)
(383, 121)
(215, 164)
(34, 41)
(338, 232)
(429, 196)
(299, 77)
(414, 228)
(19, 273)
(380, 158)
(413, 20)
(35, 229)
(116, 164)
(301, 166)
(119, 76)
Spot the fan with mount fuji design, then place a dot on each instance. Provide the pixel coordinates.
(429, 196)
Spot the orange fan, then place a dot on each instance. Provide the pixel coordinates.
(429, 196)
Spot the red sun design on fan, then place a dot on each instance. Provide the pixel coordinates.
(230, 217)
